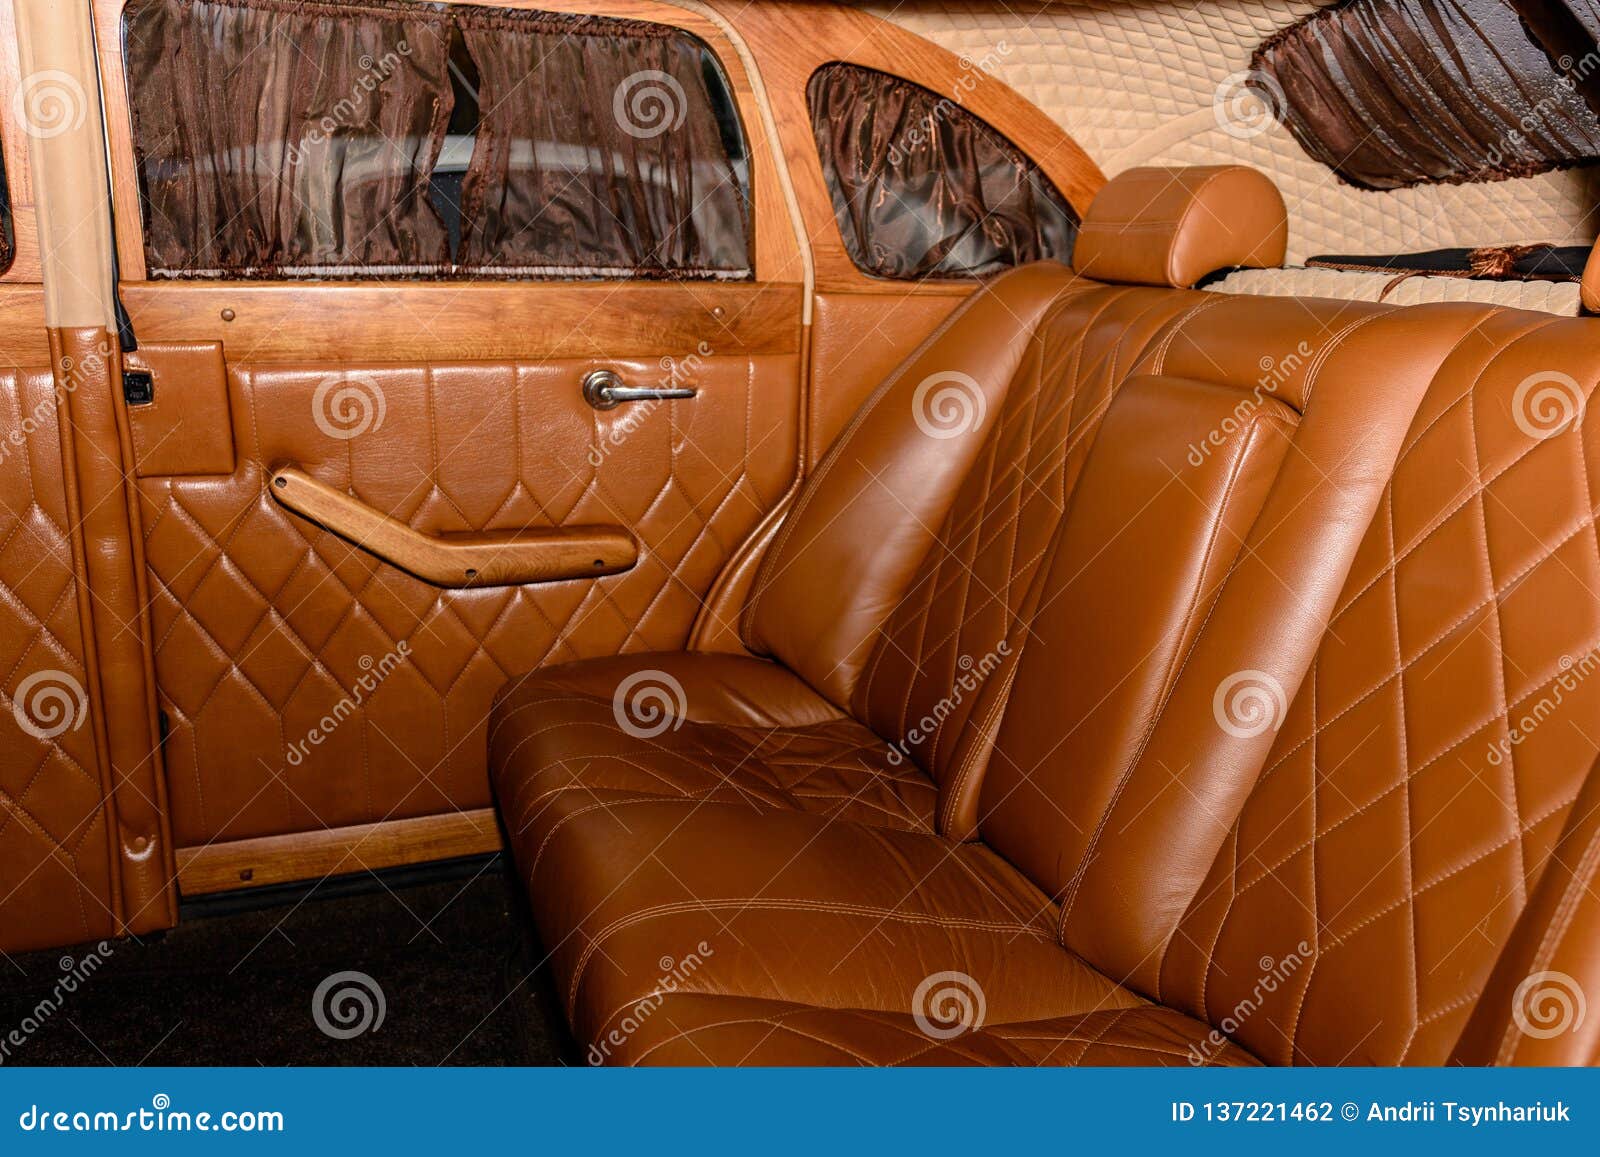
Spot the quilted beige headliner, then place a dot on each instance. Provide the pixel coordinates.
(1136, 82)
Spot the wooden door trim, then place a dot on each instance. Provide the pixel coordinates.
(466, 321)
(225, 867)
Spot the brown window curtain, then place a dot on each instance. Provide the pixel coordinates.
(922, 188)
(1569, 32)
(278, 138)
(599, 152)
(1393, 93)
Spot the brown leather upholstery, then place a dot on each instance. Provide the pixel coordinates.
(939, 647)
(885, 487)
(697, 1030)
(101, 494)
(1125, 611)
(1549, 966)
(263, 620)
(55, 846)
(185, 428)
(1165, 226)
(1589, 287)
(858, 340)
(1290, 763)
(703, 726)
(1398, 828)
(964, 612)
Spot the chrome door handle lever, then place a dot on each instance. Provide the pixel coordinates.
(604, 390)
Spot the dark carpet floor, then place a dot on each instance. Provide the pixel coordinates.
(447, 959)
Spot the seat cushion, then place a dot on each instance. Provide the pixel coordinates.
(659, 895)
(695, 726)
(692, 1029)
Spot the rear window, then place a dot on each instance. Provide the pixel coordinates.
(296, 139)
(922, 188)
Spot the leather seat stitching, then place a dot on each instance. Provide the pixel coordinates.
(795, 904)
(1556, 933)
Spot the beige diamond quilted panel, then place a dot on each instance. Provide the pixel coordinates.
(1558, 297)
(309, 685)
(1137, 83)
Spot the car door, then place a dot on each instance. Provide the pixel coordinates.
(372, 486)
(346, 454)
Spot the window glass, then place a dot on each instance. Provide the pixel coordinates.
(284, 138)
(7, 244)
(922, 188)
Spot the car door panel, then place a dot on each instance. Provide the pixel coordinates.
(308, 686)
(266, 624)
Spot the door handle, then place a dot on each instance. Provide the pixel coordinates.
(605, 390)
(479, 559)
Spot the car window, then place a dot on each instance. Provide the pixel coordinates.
(411, 140)
(922, 188)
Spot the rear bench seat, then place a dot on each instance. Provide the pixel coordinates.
(914, 549)
(1202, 834)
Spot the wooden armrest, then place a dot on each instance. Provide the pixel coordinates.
(489, 558)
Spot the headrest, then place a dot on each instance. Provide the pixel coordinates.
(1172, 226)
(1589, 289)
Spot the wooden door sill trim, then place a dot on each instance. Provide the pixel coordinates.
(253, 863)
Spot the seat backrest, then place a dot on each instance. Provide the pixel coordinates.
(943, 655)
(941, 501)
(870, 511)
(1112, 783)
(1427, 769)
